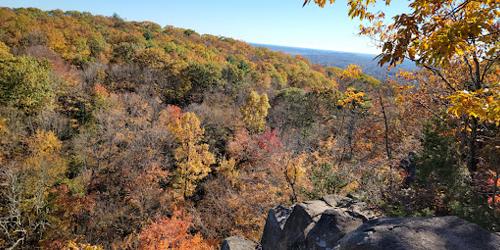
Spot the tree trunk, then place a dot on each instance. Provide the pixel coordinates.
(472, 144)
(350, 134)
(386, 125)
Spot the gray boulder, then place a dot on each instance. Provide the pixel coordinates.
(303, 217)
(310, 225)
(276, 218)
(419, 233)
(354, 206)
(238, 243)
(344, 223)
(331, 227)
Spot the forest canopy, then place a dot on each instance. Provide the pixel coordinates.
(118, 134)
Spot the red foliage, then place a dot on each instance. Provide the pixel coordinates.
(269, 141)
(254, 148)
(488, 182)
(491, 185)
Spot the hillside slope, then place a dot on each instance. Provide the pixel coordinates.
(121, 130)
(117, 134)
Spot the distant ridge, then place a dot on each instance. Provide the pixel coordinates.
(309, 51)
(342, 59)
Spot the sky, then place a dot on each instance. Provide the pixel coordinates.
(276, 22)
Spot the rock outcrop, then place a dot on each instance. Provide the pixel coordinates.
(313, 224)
(239, 243)
(448, 232)
(343, 223)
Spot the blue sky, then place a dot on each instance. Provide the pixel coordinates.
(277, 22)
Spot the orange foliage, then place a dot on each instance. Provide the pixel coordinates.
(101, 91)
(171, 233)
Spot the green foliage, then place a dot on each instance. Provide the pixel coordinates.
(189, 32)
(233, 74)
(437, 163)
(439, 167)
(154, 58)
(25, 83)
(203, 77)
(325, 180)
(292, 109)
(97, 46)
(124, 52)
(443, 184)
(474, 208)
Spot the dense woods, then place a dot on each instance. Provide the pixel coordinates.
(127, 135)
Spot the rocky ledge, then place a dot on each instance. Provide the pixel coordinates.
(343, 223)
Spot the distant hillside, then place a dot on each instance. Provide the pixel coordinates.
(342, 59)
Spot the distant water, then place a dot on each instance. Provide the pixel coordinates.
(341, 59)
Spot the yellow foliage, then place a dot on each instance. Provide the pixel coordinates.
(352, 72)
(357, 8)
(321, 3)
(3, 126)
(192, 157)
(483, 104)
(295, 169)
(72, 245)
(44, 165)
(352, 96)
(228, 169)
(152, 57)
(4, 50)
(407, 75)
(351, 187)
(255, 111)
(187, 128)
(44, 143)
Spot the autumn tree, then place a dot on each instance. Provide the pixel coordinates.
(25, 82)
(351, 72)
(291, 110)
(203, 78)
(122, 166)
(26, 213)
(193, 159)
(127, 155)
(254, 112)
(154, 58)
(354, 104)
(171, 233)
(227, 167)
(440, 36)
(294, 171)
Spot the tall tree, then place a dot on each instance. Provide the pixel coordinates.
(255, 112)
(440, 36)
(193, 159)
